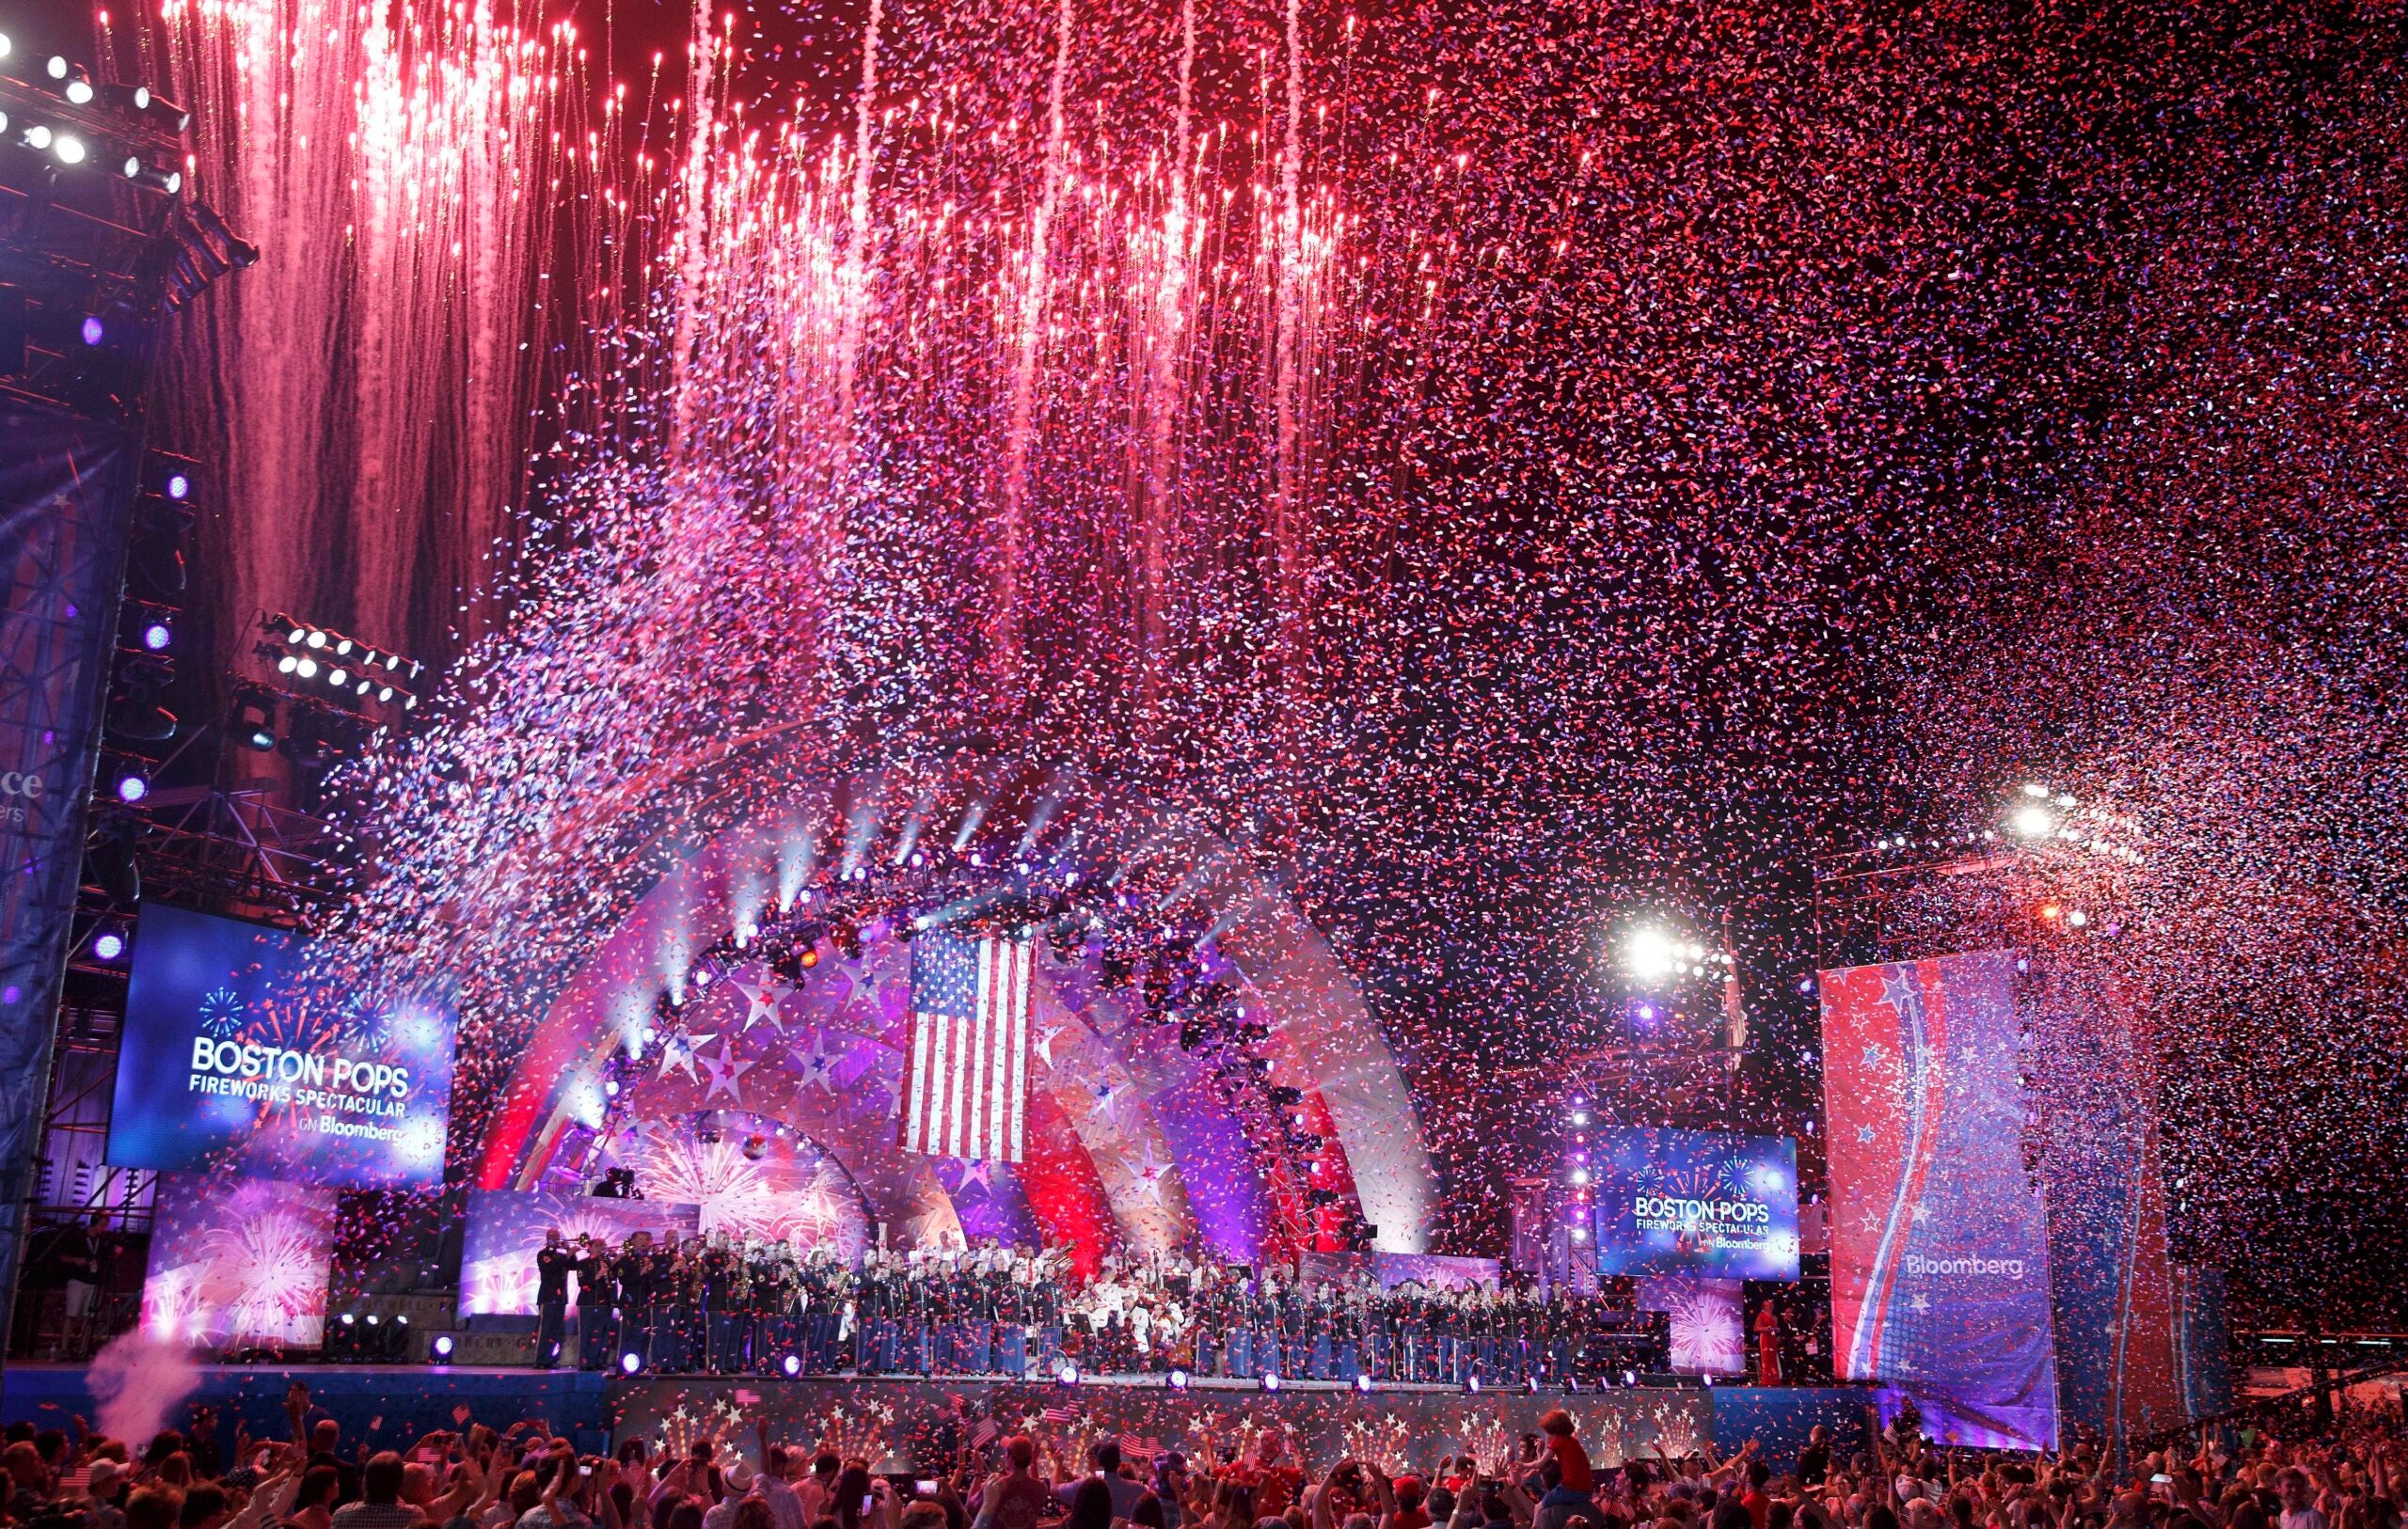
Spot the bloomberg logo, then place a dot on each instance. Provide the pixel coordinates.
(1941, 1267)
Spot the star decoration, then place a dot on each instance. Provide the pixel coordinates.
(1045, 1044)
(1922, 1213)
(762, 1000)
(725, 1069)
(1872, 1056)
(1150, 1176)
(816, 1063)
(681, 1051)
(1921, 1303)
(1864, 1134)
(979, 1172)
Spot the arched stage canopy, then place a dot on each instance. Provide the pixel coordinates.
(770, 1095)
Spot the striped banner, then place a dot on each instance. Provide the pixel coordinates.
(965, 1088)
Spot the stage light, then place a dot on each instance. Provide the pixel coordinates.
(1580, 1118)
(57, 67)
(287, 664)
(69, 149)
(108, 945)
(348, 1319)
(5, 46)
(1531, 1385)
(1648, 955)
(132, 787)
(315, 639)
(1630, 1378)
(631, 1362)
(1471, 1384)
(2078, 918)
(92, 330)
(1176, 1380)
(306, 669)
(1270, 1380)
(2050, 911)
(1068, 1375)
(1363, 1384)
(338, 678)
(2033, 822)
(37, 137)
(80, 92)
(1579, 1175)
(791, 1364)
(438, 1349)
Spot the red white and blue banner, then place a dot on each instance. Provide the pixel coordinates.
(1940, 1263)
(965, 1086)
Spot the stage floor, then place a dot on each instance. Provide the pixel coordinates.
(909, 1422)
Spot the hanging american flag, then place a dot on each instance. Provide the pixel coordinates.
(965, 1088)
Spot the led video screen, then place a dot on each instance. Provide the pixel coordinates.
(222, 1067)
(1709, 1203)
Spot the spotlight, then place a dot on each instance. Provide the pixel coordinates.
(1068, 1375)
(157, 635)
(631, 1362)
(1270, 1380)
(2031, 822)
(1648, 954)
(1363, 1384)
(1630, 1378)
(91, 331)
(132, 788)
(791, 1364)
(1471, 1384)
(348, 1319)
(1531, 1385)
(438, 1349)
(1176, 1380)
(69, 149)
(108, 944)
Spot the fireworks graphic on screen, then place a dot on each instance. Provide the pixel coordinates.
(750, 1179)
(222, 1011)
(1705, 1328)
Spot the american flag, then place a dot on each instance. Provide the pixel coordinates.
(984, 1434)
(1061, 1414)
(1139, 1451)
(965, 1089)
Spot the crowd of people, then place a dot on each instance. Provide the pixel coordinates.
(719, 1305)
(522, 1478)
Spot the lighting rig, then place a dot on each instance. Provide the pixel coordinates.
(328, 688)
(98, 231)
(137, 726)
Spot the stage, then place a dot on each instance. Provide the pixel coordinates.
(906, 1424)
